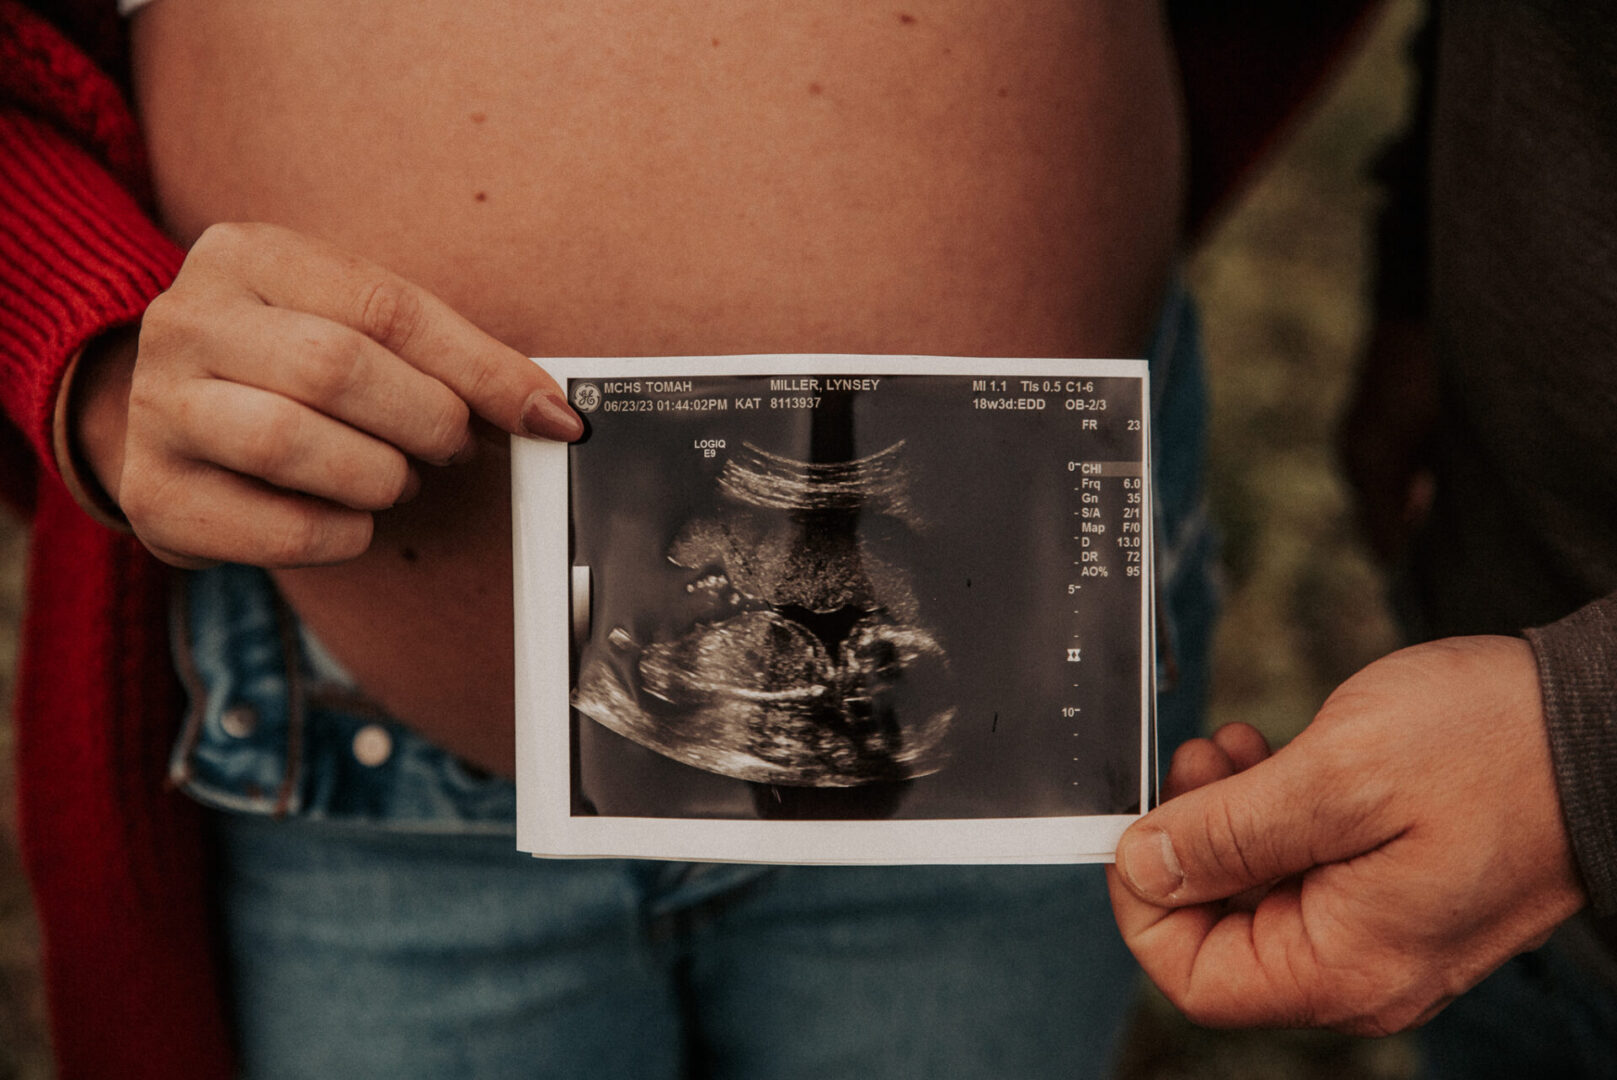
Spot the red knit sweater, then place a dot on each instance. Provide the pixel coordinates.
(116, 859)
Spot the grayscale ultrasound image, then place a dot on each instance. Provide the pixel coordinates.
(845, 605)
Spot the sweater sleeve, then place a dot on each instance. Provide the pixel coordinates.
(1577, 666)
(78, 253)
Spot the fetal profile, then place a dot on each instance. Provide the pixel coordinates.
(807, 662)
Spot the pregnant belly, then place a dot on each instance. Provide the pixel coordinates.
(640, 179)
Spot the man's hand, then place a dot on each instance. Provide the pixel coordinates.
(1396, 852)
(282, 390)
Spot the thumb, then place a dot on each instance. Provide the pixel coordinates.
(1276, 819)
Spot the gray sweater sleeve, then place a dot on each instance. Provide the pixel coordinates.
(1577, 668)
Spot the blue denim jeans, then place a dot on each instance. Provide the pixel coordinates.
(379, 921)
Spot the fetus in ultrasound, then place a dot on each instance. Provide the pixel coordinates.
(805, 662)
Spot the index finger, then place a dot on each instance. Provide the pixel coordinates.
(287, 269)
(1223, 967)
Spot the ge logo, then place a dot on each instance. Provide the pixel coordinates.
(586, 397)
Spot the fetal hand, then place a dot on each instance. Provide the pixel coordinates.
(282, 392)
(1397, 851)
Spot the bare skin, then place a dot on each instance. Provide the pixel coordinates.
(600, 179)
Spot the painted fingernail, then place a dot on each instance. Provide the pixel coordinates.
(547, 416)
(1146, 859)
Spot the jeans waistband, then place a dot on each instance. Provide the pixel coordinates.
(276, 727)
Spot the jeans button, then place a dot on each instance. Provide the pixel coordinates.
(372, 745)
(239, 721)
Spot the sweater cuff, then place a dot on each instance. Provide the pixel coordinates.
(76, 475)
(1577, 669)
(78, 256)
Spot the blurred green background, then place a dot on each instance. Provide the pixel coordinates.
(1281, 280)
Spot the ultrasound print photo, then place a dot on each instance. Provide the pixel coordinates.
(808, 609)
(800, 657)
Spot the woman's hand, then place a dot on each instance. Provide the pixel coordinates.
(282, 392)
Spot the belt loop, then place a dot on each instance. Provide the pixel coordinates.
(292, 661)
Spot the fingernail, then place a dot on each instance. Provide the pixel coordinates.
(549, 417)
(412, 487)
(1146, 860)
(467, 451)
